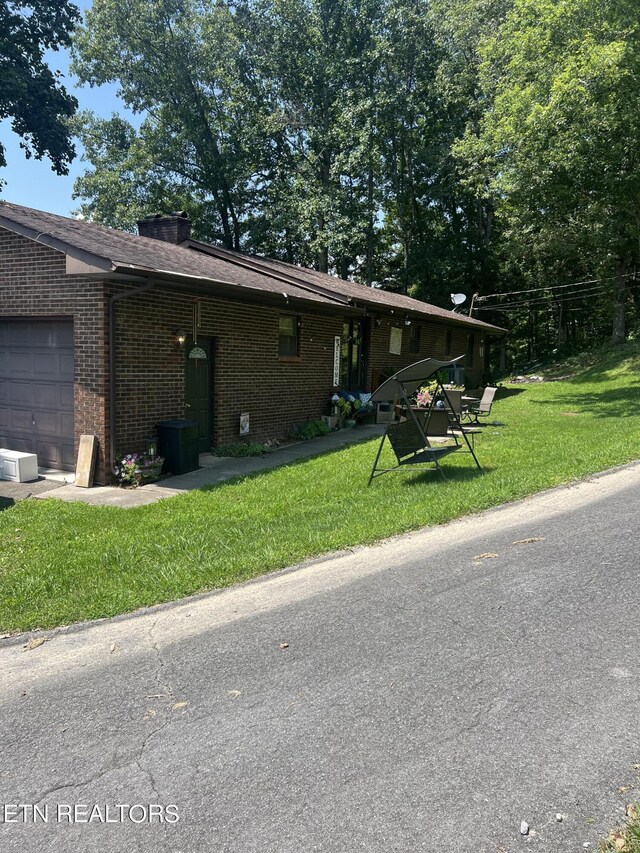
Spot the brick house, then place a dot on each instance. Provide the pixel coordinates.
(107, 333)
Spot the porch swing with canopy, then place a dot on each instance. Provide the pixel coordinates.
(407, 432)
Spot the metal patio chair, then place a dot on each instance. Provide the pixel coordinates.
(482, 409)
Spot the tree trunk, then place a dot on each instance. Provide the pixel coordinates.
(618, 333)
(323, 255)
(370, 228)
(561, 333)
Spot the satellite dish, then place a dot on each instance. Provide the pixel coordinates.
(458, 298)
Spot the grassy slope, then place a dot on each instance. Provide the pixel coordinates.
(64, 562)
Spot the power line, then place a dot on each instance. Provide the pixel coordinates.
(565, 297)
(551, 287)
(545, 301)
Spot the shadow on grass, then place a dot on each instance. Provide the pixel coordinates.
(453, 475)
(616, 403)
(504, 392)
(5, 503)
(254, 475)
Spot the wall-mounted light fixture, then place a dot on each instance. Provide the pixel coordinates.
(407, 321)
(179, 339)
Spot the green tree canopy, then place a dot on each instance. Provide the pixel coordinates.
(311, 130)
(557, 144)
(426, 146)
(31, 95)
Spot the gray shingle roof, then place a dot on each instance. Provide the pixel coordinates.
(121, 250)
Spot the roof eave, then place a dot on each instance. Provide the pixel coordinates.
(231, 290)
(415, 313)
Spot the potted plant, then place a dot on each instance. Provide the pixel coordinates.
(346, 410)
(137, 469)
(423, 398)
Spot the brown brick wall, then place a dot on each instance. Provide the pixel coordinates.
(248, 374)
(33, 283)
(433, 339)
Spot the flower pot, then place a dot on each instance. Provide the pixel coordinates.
(350, 423)
(150, 474)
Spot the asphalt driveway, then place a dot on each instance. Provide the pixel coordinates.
(426, 694)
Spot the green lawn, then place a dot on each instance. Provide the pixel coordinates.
(64, 562)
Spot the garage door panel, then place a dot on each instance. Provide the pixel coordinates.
(46, 396)
(36, 396)
(68, 460)
(66, 399)
(21, 444)
(21, 394)
(66, 367)
(66, 423)
(42, 335)
(45, 366)
(19, 365)
(49, 423)
(50, 451)
(12, 334)
(54, 334)
(21, 419)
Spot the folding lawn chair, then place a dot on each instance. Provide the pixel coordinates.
(483, 408)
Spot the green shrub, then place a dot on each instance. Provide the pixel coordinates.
(310, 429)
(249, 448)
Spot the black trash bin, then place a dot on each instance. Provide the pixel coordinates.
(178, 443)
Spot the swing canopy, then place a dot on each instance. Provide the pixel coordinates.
(410, 379)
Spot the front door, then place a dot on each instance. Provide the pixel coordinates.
(353, 356)
(198, 389)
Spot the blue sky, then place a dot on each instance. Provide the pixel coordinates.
(32, 182)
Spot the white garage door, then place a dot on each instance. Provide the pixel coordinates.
(36, 390)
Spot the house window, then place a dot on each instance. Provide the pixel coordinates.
(447, 343)
(288, 331)
(414, 339)
(470, 347)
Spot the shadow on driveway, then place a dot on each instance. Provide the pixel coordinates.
(11, 493)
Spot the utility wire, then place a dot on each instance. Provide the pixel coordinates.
(564, 297)
(551, 287)
(513, 306)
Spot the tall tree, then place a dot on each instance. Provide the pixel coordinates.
(558, 140)
(31, 95)
(183, 70)
(274, 143)
(318, 60)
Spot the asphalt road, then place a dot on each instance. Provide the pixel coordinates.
(429, 699)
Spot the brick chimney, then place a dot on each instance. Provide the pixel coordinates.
(173, 228)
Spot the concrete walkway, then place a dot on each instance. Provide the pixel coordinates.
(215, 469)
